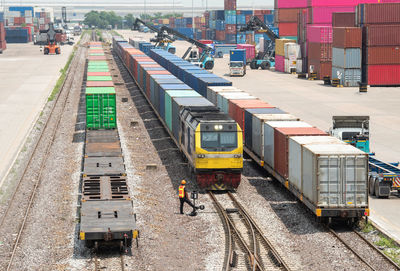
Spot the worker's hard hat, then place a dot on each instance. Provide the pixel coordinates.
(183, 182)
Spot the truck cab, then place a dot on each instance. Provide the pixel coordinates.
(237, 68)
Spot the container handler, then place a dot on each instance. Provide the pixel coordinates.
(266, 59)
(52, 47)
(383, 177)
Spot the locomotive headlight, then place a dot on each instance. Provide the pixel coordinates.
(218, 127)
(201, 156)
(237, 155)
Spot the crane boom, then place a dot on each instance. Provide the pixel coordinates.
(255, 24)
(160, 35)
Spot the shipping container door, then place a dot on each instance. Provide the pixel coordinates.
(108, 116)
(93, 111)
(342, 181)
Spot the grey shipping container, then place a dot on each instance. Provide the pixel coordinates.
(248, 121)
(349, 58)
(269, 136)
(348, 77)
(178, 104)
(296, 144)
(335, 176)
(212, 92)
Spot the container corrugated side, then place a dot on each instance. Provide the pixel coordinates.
(269, 135)
(382, 35)
(349, 58)
(212, 92)
(257, 134)
(296, 144)
(379, 13)
(347, 37)
(279, 46)
(383, 75)
(343, 19)
(335, 176)
(223, 99)
(383, 55)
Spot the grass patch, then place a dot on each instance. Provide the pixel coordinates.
(61, 79)
(385, 242)
(115, 33)
(367, 228)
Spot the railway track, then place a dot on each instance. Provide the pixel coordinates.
(242, 232)
(101, 265)
(364, 250)
(43, 145)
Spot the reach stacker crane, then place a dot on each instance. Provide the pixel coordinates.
(52, 47)
(161, 40)
(265, 59)
(204, 59)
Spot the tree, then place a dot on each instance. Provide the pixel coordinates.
(129, 20)
(102, 19)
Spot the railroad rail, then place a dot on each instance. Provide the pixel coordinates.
(353, 239)
(259, 253)
(65, 87)
(99, 267)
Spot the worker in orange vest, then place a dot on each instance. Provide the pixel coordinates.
(183, 196)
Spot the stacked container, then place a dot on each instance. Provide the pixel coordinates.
(292, 56)
(3, 45)
(346, 55)
(280, 54)
(381, 43)
(230, 21)
(319, 42)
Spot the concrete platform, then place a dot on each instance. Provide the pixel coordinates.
(316, 104)
(27, 77)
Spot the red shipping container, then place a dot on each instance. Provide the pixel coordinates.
(220, 35)
(383, 55)
(287, 15)
(347, 37)
(279, 63)
(99, 84)
(343, 19)
(250, 50)
(382, 35)
(288, 29)
(281, 145)
(230, 4)
(98, 74)
(380, 13)
(320, 51)
(237, 108)
(383, 75)
(321, 68)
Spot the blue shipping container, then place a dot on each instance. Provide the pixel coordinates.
(238, 55)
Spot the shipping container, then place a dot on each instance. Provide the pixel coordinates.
(286, 15)
(380, 13)
(169, 95)
(237, 109)
(383, 55)
(320, 51)
(383, 75)
(319, 34)
(291, 4)
(292, 51)
(288, 29)
(349, 58)
(224, 99)
(99, 84)
(101, 110)
(347, 77)
(250, 51)
(321, 68)
(343, 19)
(323, 15)
(269, 136)
(279, 63)
(212, 92)
(334, 176)
(347, 37)
(382, 35)
(254, 128)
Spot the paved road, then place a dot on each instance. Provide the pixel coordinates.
(316, 104)
(27, 77)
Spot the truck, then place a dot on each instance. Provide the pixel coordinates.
(383, 177)
(237, 62)
(77, 30)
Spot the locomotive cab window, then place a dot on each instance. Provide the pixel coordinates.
(219, 141)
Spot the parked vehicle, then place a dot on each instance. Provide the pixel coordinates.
(237, 62)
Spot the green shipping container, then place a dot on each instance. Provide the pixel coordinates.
(98, 69)
(168, 102)
(97, 63)
(101, 108)
(99, 78)
(96, 54)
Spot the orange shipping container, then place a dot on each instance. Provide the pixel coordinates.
(287, 29)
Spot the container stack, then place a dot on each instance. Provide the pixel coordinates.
(319, 44)
(381, 43)
(230, 21)
(292, 56)
(280, 54)
(346, 55)
(286, 17)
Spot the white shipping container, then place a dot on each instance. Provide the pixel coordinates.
(258, 129)
(269, 131)
(299, 65)
(224, 97)
(292, 50)
(213, 91)
(335, 176)
(296, 144)
(28, 20)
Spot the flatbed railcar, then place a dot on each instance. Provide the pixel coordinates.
(106, 213)
(344, 196)
(209, 139)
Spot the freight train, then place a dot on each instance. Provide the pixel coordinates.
(210, 140)
(329, 176)
(106, 213)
